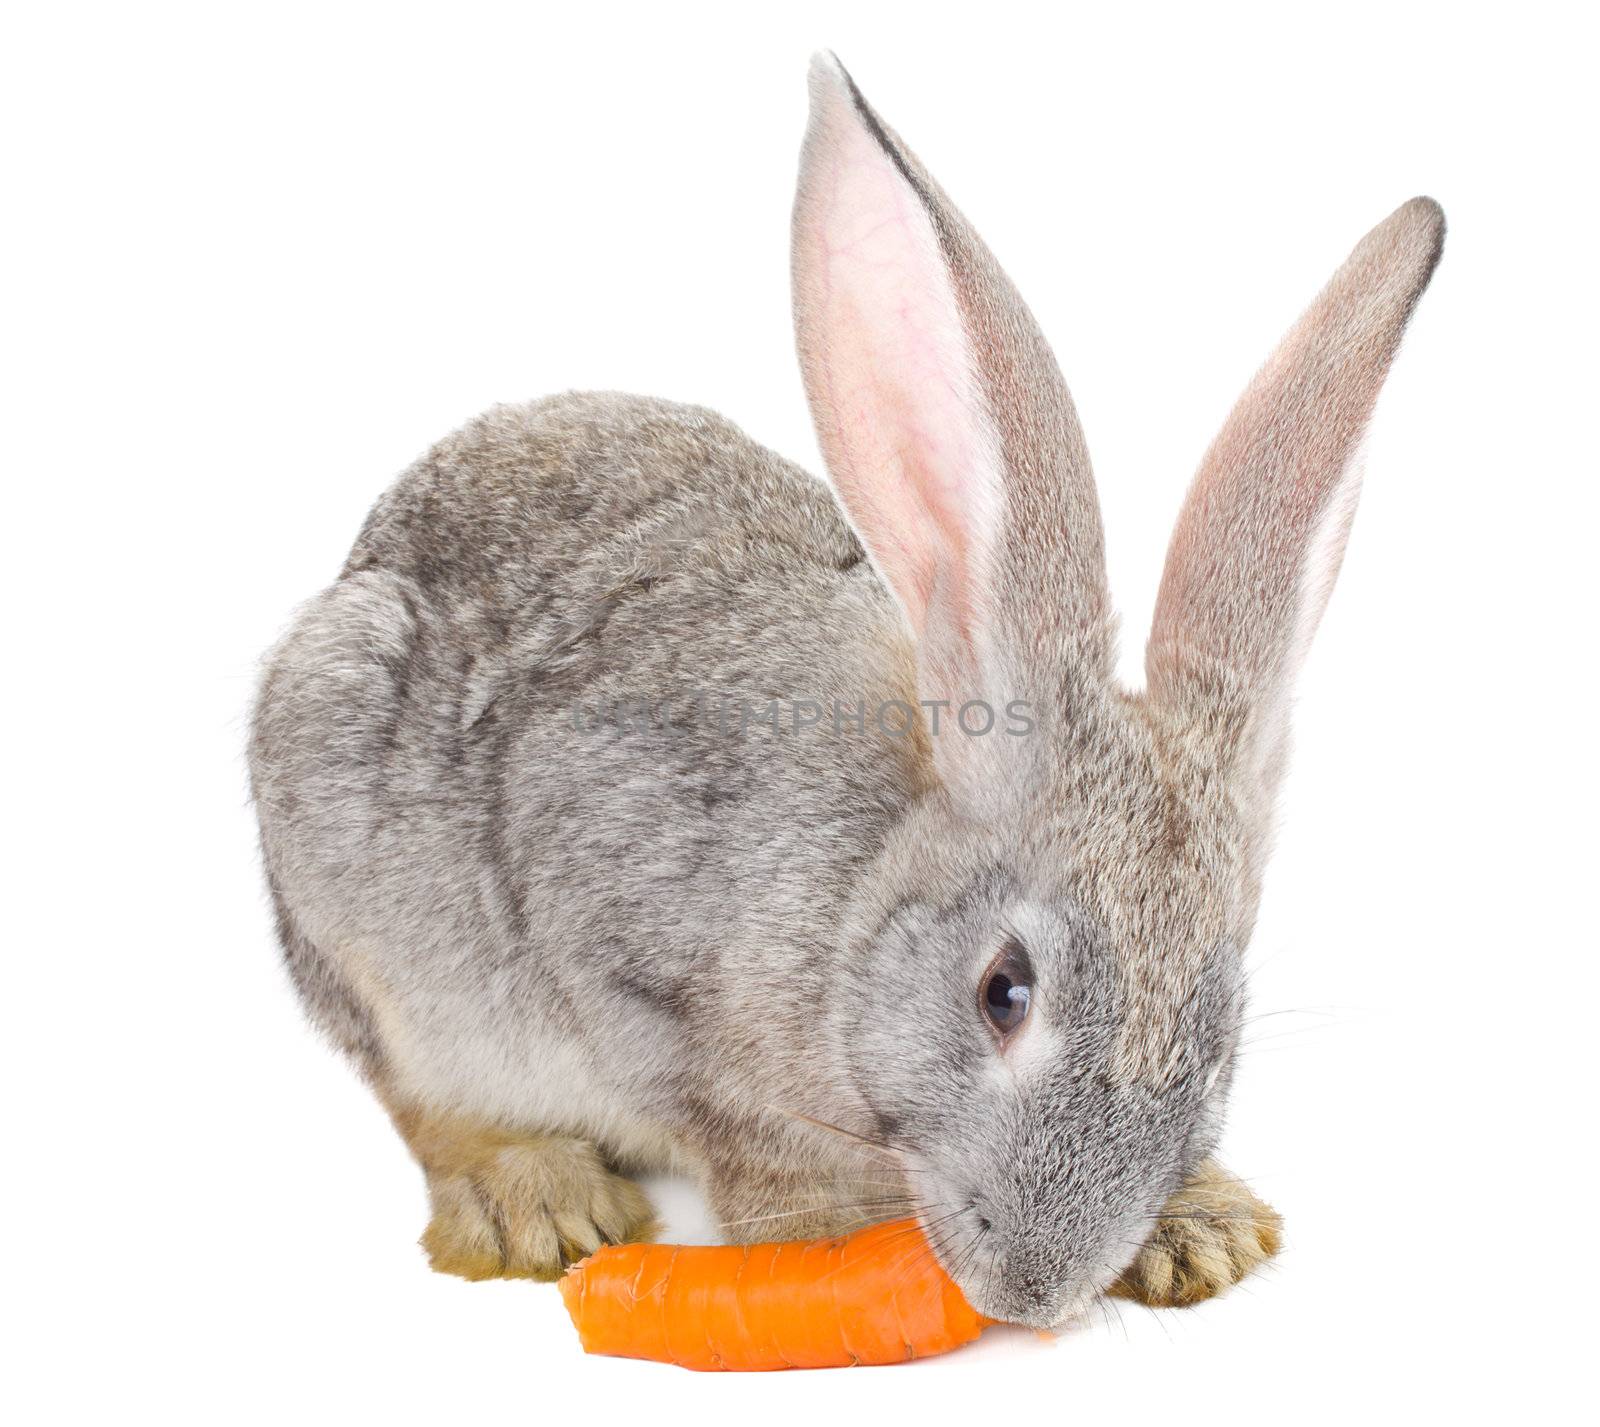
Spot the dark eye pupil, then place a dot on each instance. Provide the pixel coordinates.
(1005, 1000)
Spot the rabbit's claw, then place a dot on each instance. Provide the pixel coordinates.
(1210, 1234)
(528, 1207)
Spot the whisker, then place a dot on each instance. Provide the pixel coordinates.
(1256, 1039)
(812, 1120)
(969, 1255)
(930, 1232)
(1156, 1314)
(1113, 1310)
(900, 1236)
(821, 1205)
(1325, 1011)
(938, 1247)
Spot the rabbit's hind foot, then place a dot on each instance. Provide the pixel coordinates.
(518, 1205)
(1211, 1233)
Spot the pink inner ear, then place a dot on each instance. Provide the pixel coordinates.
(902, 422)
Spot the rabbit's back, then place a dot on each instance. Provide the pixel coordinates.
(528, 773)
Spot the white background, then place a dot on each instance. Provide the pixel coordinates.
(258, 258)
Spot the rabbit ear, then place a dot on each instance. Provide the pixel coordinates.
(1264, 526)
(944, 421)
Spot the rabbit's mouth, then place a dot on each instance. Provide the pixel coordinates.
(1007, 1276)
(1015, 1296)
(1038, 1245)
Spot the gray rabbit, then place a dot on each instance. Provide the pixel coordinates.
(634, 801)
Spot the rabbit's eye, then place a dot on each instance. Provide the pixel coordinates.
(1007, 990)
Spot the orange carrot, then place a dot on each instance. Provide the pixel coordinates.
(878, 1296)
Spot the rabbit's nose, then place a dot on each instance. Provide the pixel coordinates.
(1016, 1294)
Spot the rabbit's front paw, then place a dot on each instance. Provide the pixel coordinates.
(1211, 1233)
(529, 1209)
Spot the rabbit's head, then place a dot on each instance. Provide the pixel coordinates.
(1047, 973)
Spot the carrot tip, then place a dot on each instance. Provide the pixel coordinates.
(571, 1285)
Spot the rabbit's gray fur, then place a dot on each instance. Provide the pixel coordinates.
(436, 783)
(669, 942)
